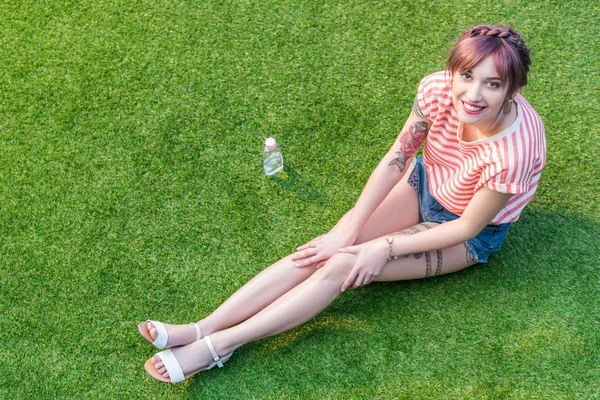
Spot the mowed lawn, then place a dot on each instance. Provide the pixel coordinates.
(131, 187)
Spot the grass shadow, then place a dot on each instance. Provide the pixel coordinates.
(291, 180)
(530, 310)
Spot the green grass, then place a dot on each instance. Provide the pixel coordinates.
(131, 187)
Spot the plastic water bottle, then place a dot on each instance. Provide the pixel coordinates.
(272, 158)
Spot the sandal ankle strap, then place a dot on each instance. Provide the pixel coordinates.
(198, 332)
(214, 353)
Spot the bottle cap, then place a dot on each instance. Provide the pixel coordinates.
(270, 144)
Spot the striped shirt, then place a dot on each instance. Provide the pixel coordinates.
(509, 162)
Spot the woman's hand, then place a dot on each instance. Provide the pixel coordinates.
(320, 249)
(371, 257)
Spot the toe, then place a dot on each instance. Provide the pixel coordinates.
(152, 330)
(156, 360)
(159, 365)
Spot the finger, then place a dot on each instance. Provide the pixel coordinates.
(303, 264)
(312, 243)
(304, 254)
(304, 246)
(349, 280)
(364, 279)
(308, 262)
(349, 250)
(358, 282)
(319, 265)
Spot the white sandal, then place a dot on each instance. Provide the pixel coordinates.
(174, 369)
(162, 336)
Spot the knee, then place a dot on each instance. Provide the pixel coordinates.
(337, 267)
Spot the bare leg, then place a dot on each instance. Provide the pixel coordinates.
(309, 298)
(282, 276)
(255, 295)
(296, 306)
(258, 293)
(313, 295)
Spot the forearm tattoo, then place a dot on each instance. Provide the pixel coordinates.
(439, 253)
(410, 141)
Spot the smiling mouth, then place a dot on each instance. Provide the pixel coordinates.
(471, 109)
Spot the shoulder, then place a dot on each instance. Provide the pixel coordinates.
(530, 118)
(531, 129)
(434, 95)
(438, 81)
(518, 155)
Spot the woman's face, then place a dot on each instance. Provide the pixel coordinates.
(478, 95)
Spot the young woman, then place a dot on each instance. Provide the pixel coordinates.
(484, 150)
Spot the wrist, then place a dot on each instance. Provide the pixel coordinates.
(348, 229)
(353, 222)
(391, 255)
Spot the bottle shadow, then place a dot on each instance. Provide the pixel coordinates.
(292, 180)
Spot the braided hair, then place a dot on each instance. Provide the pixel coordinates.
(504, 44)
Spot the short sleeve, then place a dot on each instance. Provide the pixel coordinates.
(497, 184)
(433, 92)
(514, 165)
(422, 101)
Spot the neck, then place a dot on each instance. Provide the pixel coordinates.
(484, 130)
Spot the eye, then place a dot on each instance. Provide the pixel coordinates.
(466, 75)
(494, 85)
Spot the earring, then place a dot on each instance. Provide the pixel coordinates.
(508, 105)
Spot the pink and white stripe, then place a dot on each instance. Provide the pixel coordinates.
(508, 162)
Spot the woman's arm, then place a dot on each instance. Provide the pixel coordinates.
(389, 171)
(386, 175)
(372, 256)
(480, 211)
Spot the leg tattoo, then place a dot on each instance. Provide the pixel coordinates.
(470, 256)
(440, 255)
(427, 264)
(440, 261)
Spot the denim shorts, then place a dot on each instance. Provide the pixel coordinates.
(488, 241)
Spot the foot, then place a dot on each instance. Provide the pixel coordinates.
(178, 335)
(192, 358)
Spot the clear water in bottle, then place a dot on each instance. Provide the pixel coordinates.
(272, 157)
